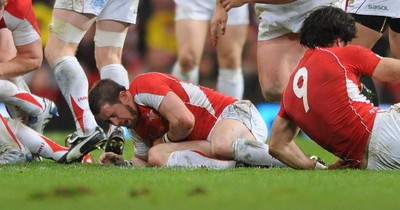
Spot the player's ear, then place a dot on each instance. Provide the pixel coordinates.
(124, 97)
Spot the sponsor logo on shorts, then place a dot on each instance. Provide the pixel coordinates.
(377, 7)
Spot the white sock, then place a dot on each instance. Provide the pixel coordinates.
(7, 135)
(191, 76)
(36, 143)
(22, 101)
(191, 159)
(115, 72)
(231, 82)
(20, 83)
(73, 84)
(254, 153)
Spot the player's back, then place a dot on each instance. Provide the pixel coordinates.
(324, 99)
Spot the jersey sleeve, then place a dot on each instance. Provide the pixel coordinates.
(142, 146)
(150, 89)
(281, 112)
(367, 60)
(20, 18)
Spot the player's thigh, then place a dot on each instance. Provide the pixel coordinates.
(394, 39)
(226, 132)
(190, 37)
(109, 41)
(82, 21)
(366, 37)
(276, 59)
(230, 46)
(67, 30)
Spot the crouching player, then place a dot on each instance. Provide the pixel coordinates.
(175, 123)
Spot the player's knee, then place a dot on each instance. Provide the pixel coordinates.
(187, 61)
(221, 151)
(154, 157)
(272, 94)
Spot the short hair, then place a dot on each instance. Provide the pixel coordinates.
(105, 91)
(324, 25)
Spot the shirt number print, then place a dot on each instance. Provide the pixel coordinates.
(300, 86)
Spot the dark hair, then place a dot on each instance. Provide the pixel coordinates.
(105, 91)
(324, 25)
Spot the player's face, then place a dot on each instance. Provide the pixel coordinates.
(119, 114)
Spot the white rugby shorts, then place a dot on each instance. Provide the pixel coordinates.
(388, 8)
(204, 10)
(280, 19)
(384, 145)
(118, 10)
(245, 112)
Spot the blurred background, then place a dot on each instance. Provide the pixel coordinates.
(150, 46)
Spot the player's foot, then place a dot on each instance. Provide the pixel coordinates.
(38, 122)
(10, 154)
(116, 141)
(81, 146)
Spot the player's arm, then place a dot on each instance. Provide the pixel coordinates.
(387, 70)
(181, 120)
(29, 57)
(218, 22)
(110, 158)
(283, 147)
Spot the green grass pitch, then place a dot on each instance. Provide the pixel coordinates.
(48, 185)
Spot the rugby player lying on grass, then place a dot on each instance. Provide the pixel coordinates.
(175, 123)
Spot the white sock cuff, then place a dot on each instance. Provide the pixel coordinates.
(115, 72)
(225, 72)
(63, 59)
(191, 76)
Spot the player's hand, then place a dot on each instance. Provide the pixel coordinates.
(110, 158)
(218, 24)
(339, 164)
(229, 4)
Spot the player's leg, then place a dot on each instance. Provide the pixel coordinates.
(66, 31)
(276, 59)
(229, 52)
(11, 149)
(188, 154)
(240, 135)
(190, 39)
(40, 145)
(191, 26)
(394, 37)
(230, 75)
(111, 30)
(37, 143)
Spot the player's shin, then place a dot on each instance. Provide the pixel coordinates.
(192, 159)
(254, 153)
(37, 143)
